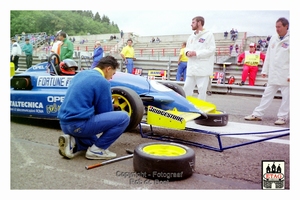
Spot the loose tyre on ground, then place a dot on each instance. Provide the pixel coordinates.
(164, 161)
(219, 118)
(128, 100)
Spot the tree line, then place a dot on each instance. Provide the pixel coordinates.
(74, 22)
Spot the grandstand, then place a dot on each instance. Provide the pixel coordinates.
(164, 56)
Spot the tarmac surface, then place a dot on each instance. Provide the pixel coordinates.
(36, 165)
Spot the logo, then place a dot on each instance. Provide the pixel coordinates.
(201, 40)
(273, 175)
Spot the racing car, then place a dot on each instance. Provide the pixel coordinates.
(39, 91)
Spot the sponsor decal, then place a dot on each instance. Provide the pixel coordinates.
(285, 45)
(54, 81)
(201, 40)
(26, 104)
(54, 108)
(165, 114)
(36, 67)
(156, 73)
(55, 98)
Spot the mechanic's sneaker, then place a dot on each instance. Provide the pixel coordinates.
(99, 154)
(241, 83)
(252, 118)
(66, 145)
(280, 121)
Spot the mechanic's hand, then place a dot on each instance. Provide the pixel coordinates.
(117, 107)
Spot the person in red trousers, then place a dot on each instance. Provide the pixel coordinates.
(251, 60)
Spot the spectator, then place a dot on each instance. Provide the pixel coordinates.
(182, 63)
(277, 68)
(66, 47)
(259, 41)
(56, 46)
(231, 48)
(251, 61)
(121, 33)
(28, 49)
(16, 51)
(127, 54)
(232, 34)
(111, 37)
(115, 37)
(258, 47)
(82, 117)
(157, 40)
(236, 34)
(225, 34)
(200, 51)
(98, 54)
(237, 48)
(153, 40)
(82, 41)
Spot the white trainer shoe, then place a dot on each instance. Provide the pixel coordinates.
(99, 154)
(280, 121)
(66, 145)
(252, 118)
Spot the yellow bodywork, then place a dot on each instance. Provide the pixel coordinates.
(175, 119)
(205, 106)
(169, 118)
(12, 69)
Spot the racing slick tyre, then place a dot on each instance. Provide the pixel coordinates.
(175, 87)
(128, 100)
(220, 118)
(164, 161)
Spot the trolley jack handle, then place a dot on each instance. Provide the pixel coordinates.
(111, 160)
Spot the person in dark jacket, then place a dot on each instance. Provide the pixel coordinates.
(28, 49)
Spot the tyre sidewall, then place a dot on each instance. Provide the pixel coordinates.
(168, 168)
(135, 102)
(214, 119)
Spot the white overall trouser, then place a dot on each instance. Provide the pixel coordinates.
(200, 81)
(267, 98)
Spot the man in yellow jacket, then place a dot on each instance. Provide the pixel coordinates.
(182, 63)
(127, 54)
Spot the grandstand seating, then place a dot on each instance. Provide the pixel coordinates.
(164, 56)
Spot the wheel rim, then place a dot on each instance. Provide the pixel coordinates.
(123, 103)
(164, 150)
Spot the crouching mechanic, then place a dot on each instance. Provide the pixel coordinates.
(87, 111)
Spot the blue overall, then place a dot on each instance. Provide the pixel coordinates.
(87, 111)
(110, 124)
(129, 65)
(181, 69)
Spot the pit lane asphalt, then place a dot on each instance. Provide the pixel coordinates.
(36, 164)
